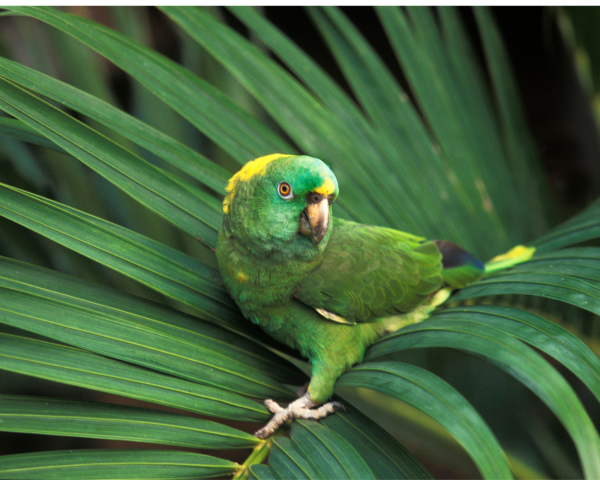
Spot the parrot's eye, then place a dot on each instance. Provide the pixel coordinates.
(285, 190)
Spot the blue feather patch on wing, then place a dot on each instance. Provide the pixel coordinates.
(460, 267)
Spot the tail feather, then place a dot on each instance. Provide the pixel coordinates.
(514, 256)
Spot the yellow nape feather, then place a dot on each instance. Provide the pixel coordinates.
(253, 168)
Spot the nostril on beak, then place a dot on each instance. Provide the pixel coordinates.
(315, 197)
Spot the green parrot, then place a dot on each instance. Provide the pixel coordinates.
(326, 287)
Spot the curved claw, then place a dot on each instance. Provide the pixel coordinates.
(301, 408)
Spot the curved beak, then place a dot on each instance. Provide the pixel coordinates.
(314, 220)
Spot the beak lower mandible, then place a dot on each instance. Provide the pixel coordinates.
(314, 221)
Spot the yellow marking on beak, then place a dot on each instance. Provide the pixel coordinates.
(327, 188)
(255, 167)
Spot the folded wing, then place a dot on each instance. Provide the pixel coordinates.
(372, 272)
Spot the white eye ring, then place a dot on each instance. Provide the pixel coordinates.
(284, 190)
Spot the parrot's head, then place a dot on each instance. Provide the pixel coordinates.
(281, 203)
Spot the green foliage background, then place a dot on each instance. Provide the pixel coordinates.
(108, 281)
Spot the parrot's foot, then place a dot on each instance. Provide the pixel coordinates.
(301, 408)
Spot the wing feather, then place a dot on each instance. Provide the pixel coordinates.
(372, 272)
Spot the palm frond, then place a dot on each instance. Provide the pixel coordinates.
(44, 415)
(113, 463)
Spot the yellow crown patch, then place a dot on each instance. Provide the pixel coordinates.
(253, 168)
